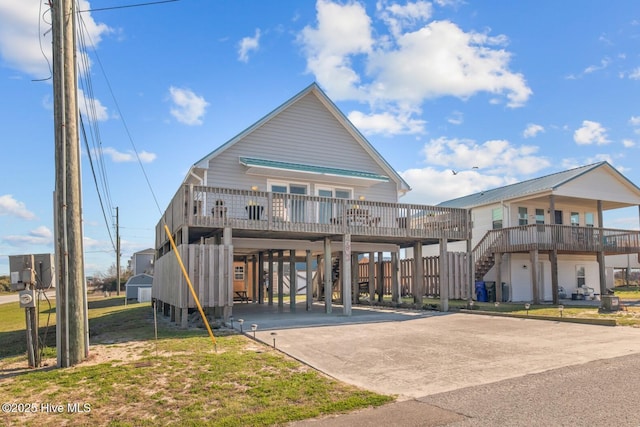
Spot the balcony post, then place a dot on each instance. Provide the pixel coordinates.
(535, 286)
(293, 281)
(601, 259)
(395, 288)
(309, 301)
(372, 277)
(261, 277)
(418, 277)
(280, 281)
(498, 290)
(345, 273)
(270, 285)
(328, 285)
(444, 276)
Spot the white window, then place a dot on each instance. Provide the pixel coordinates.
(539, 216)
(575, 219)
(238, 272)
(580, 275)
(523, 216)
(588, 219)
(496, 217)
(289, 208)
(327, 210)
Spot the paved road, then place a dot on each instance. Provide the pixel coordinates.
(468, 370)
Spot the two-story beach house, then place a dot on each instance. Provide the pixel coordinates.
(301, 185)
(544, 238)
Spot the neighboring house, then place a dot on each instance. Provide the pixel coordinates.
(545, 235)
(138, 287)
(300, 185)
(142, 262)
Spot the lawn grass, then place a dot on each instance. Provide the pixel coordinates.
(180, 379)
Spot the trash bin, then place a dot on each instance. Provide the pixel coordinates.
(491, 291)
(481, 292)
(505, 292)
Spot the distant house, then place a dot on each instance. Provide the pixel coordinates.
(302, 184)
(544, 236)
(141, 262)
(138, 287)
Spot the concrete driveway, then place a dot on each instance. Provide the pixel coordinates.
(417, 354)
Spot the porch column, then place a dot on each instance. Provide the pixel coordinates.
(270, 281)
(535, 286)
(328, 285)
(280, 281)
(601, 259)
(319, 280)
(261, 277)
(355, 277)
(372, 277)
(444, 276)
(395, 283)
(418, 275)
(226, 264)
(254, 279)
(293, 281)
(498, 290)
(345, 272)
(380, 274)
(309, 288)
(246, 274)
(553, 257)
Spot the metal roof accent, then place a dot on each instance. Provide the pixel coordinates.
(312, 169)
(547, 183)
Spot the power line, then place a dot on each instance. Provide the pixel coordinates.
(127, 6)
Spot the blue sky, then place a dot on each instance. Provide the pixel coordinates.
(517, 88)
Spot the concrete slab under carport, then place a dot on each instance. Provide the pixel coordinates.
(414, 354)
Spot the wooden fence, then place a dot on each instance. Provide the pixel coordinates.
(458, 277)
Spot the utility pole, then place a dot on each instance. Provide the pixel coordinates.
(71, 313)
(118, 253)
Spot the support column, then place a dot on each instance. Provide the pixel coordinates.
(309, 302)
(395, 283)
(280, 281)
(553, 257)
(535, 286)
(261, 277)
(601, 259)
(345, 271)
(293, 281)
(328, 288)
(444, 276)
(254, 279)
(372, 277)
(270, 281)
(355, 278)
(380, 281)
(498, 290)
(418, 274)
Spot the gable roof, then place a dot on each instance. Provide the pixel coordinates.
(543, 184)
(314, 89)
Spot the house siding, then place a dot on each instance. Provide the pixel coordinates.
(307, 133)
(600, 184)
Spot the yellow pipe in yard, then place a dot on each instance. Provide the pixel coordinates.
(193, 292)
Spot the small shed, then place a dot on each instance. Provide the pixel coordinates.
(137, 285)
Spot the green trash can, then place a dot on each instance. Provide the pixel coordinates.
(491, 291)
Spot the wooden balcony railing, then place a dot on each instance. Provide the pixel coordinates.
(567, 238)
(200, 206)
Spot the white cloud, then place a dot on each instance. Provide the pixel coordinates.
(92, 107)
(449, 186)
(399, 18)
(415, 61)
(604, 63)
(248, 44)
(456, 118)
(38, 236)
(11, 207)
(628, 143)
(189, 108)
(591, 133)
(494, 157)
(635, 74)
(386, 123)
(342, 32)
(634, 121)
(532, 130)
(129, 156)
(22, 47)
